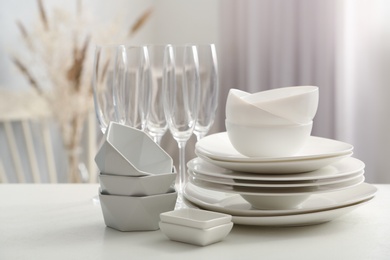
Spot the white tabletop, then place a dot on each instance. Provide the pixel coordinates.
(60, 221)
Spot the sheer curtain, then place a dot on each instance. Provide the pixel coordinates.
(340, 46)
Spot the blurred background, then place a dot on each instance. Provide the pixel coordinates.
(341, 46)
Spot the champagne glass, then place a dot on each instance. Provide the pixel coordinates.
(130, 91)
(208, 73)
(181, 98)
(105, 77)
(156, 124)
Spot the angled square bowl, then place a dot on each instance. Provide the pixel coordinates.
(127, 213)
(136, 186)
(131, 152)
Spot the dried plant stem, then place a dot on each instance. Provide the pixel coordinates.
(68, 72)
(105, 69)
(140, 21)
(28, 75)
(22, 29)
(25, 35)
(43, 16)
(75, 71)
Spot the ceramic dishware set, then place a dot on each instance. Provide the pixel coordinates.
(268, 169)
(136, 179)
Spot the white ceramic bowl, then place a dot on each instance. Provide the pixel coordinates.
(136, 186)
(276, 202)
(131, 152)
(268, 140)
(195, 218)
(196, 236)
(298, 104)
(239, 111)
(127, 213)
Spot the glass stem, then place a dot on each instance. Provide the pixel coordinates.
(182, 166)
(157, 139)
(199, 135)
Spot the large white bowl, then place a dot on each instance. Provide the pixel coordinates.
(241, 112)
(136, 186)
(298, 104)
(268, 140)
(276, 202)
(127, 213)
(293, 199)
(196, 236)
(131, 152)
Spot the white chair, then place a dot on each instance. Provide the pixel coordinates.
(30, 145)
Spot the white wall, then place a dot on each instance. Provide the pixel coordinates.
(178, 21)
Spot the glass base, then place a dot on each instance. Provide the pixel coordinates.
(96, 200)
(180, 203)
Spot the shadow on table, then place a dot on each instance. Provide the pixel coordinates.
(150, 240)
(286, 233)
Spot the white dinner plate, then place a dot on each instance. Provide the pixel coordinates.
(342, 168)
(276, 191)
(280, 184)
(235, 205)
(218, 147)
(277, 167)
(312, 218)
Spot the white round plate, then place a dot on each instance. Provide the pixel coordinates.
(218, 147)
(281, 167)
(312, 218)
(276, 191)
(235, 205)
(342, 168)
(275, 184)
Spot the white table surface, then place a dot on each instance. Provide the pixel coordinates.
(60, 221)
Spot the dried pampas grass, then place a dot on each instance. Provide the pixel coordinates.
(59, 48)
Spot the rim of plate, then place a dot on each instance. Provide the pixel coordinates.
(271, 191)
(277, 167)
(273, 184)
(343, 167)
(305, 219)
(226, 203)
(218, 147)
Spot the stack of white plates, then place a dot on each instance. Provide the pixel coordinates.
(320, 183)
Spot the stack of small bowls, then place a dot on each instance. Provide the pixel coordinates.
(271, 123)
(136, 180)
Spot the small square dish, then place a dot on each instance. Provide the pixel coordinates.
(195, 218)
(195, 236)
